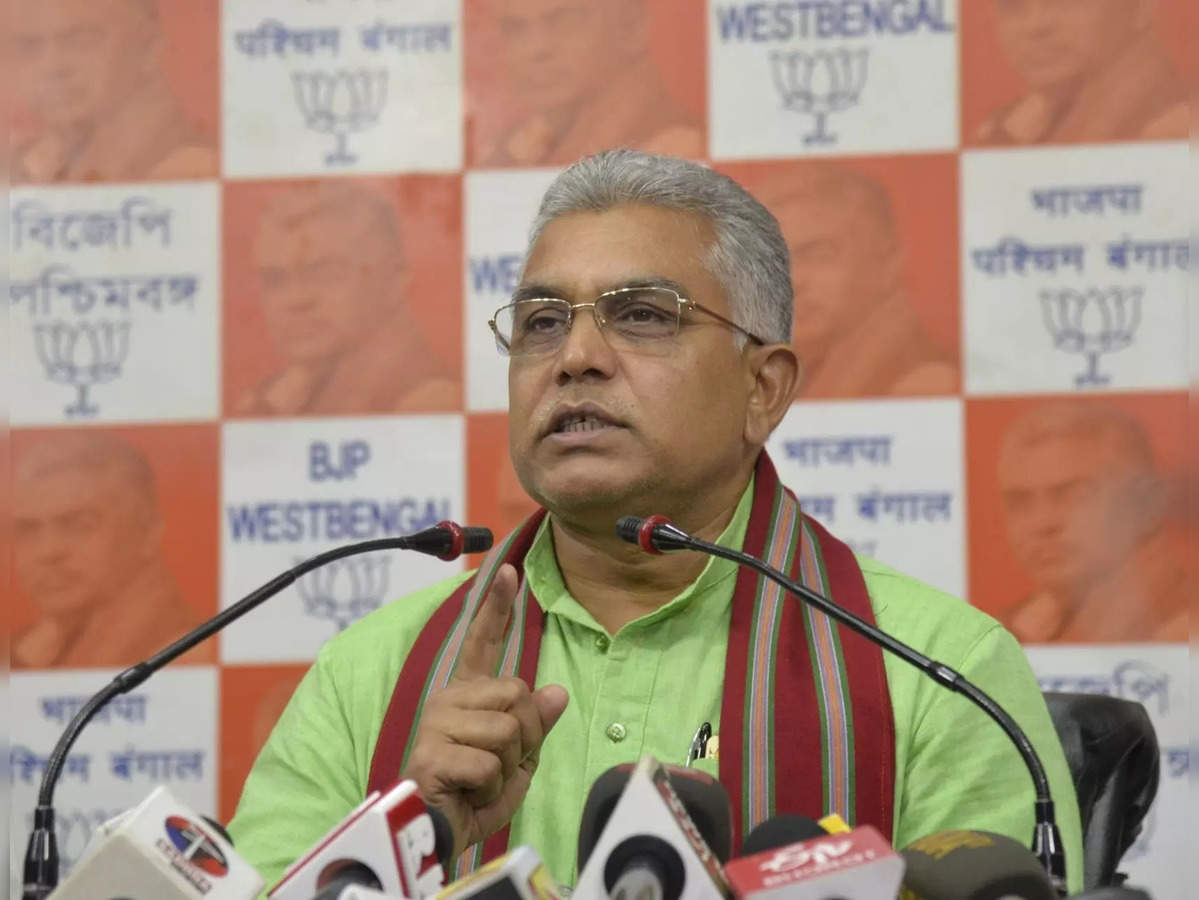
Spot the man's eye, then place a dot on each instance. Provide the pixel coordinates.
(540, 323)
(640, 313)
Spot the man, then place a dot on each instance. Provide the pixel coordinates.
(1085, 512)
(588, 78)
(1095, 71)
(90, 71)
(649, 363)
(856, 333)
(332, 283)
(88, 554)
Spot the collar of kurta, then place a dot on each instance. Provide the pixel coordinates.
(805, 719)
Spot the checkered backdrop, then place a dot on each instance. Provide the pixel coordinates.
(255, 246)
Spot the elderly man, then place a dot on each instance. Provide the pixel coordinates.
(856, 333)
(1085, 510)
(90, 72)
(1095, 71)
(587, 78)
(332, 283)
(87, 552)
(649, 361)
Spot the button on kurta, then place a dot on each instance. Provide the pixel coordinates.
(602, 643)
(616, 732)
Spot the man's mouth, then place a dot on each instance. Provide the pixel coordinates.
(580, 421)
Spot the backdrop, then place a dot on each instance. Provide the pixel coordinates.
(255, 246)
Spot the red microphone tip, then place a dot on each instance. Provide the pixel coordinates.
(645, 534)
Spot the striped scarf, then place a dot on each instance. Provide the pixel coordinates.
(829, 748)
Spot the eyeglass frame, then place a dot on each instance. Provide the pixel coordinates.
(684, 304)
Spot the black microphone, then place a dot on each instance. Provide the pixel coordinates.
(657, 533)
(972, 865)
(779, 831)
(445, 540)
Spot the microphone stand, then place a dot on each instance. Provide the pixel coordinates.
(657, 533)
(446, 540)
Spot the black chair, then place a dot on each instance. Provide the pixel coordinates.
(1113, 755)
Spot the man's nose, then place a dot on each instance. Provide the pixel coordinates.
(584, 349)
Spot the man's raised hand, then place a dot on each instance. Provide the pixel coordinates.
(479, 738)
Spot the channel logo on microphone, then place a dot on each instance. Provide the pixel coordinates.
(191, 848)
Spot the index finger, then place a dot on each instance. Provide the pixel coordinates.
(484, 641)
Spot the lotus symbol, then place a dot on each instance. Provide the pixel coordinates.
(81, 354)
(340, 103)
(820, 82)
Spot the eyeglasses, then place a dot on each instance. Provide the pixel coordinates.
(633, 318)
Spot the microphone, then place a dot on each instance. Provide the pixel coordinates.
(973, 865)
(160, 850)
(446, 540)
(657, 533)
(638, 836)
(390, 842)
(795, 865)
(779, 831)
(517, 875)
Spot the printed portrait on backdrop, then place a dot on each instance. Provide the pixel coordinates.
(856, 329)
(1090, 517)
(330, 272)
(89, 537)
(571, 78)
(1089, 71)
(90, 76)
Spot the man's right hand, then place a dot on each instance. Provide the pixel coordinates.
(479, 738)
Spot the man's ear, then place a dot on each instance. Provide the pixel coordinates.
(774, 370)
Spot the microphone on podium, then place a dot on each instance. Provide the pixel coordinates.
(794, 858)
(649, 830)
(160, 850)
(391, 842)
(446, 540)
(656, 534)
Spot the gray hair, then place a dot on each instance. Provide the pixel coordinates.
(749, 256)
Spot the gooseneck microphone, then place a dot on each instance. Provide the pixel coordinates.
(657, 533)
(445, 540)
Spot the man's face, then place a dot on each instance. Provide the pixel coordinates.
(76, 59)
(323, 283)
(840, 268)
(677, 412)
(1052, 42)
(559, 51)
(1066, 509)
(79, 538)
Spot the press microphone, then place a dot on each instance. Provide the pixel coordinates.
(160, 850)
(972, 865)
(638, 836)
(517, 875)
(446, 540)
(779, 831)
(657, 533)
(391, 842)
(857, 864)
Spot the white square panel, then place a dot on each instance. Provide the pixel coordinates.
(500, 207)
(341, 86)
(884, 477)
(1074, 269)
(789, 79)
(295, 488)
(115, 300)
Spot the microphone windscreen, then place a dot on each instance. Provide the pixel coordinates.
(476, 539)
(780, 831)
(973, 865)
